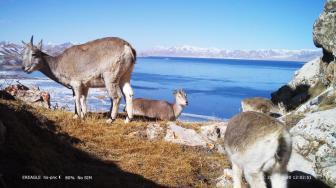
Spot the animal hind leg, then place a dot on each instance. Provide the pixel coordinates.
(115, 94)
(78, 93)
(128, 94)
(255, 179)
(237, 176)
(83, 97)
(279, 179)
(74, 97)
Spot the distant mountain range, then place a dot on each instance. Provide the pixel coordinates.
(263, 54)
(9, 56)
(10, 53)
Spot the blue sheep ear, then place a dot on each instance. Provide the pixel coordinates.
(183, 91)
(174, 91)
(39, 46)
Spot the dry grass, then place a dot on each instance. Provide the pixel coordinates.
(292, 119)
(187, 125)
(328, 102)
(317, 89)
(164, 164)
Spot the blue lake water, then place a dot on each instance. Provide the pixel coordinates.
(214, 87)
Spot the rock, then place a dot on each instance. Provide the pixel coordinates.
(154, 131)
(331, 92)
(324, 29)
(2, 133)
(291, 97)
(214, 131)
(13, 89)
(282, 95)
(180, 135)
(31, 96)
(330, 74)
(313, 103)
(298, 163)
(314, 137)
(324, 37)
(206, 137)
(298, 99)
(308, 74)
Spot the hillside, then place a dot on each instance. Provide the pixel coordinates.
(39, 141)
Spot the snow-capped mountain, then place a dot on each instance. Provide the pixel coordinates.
(262, 54)
(10, 53)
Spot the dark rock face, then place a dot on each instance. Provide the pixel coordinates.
(283, 94)
(291, 97)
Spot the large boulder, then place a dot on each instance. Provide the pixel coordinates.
(207, 136)
(308, 74)
(325, 28)
(324, 37)
(314, 137)
(154, 131)
(180, 135)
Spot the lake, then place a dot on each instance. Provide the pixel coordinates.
(214, 87)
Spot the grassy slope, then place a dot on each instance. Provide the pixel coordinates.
(45, 142)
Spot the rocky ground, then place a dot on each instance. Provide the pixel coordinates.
(39, 141)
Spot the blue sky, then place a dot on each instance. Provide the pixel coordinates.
(229, 24)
